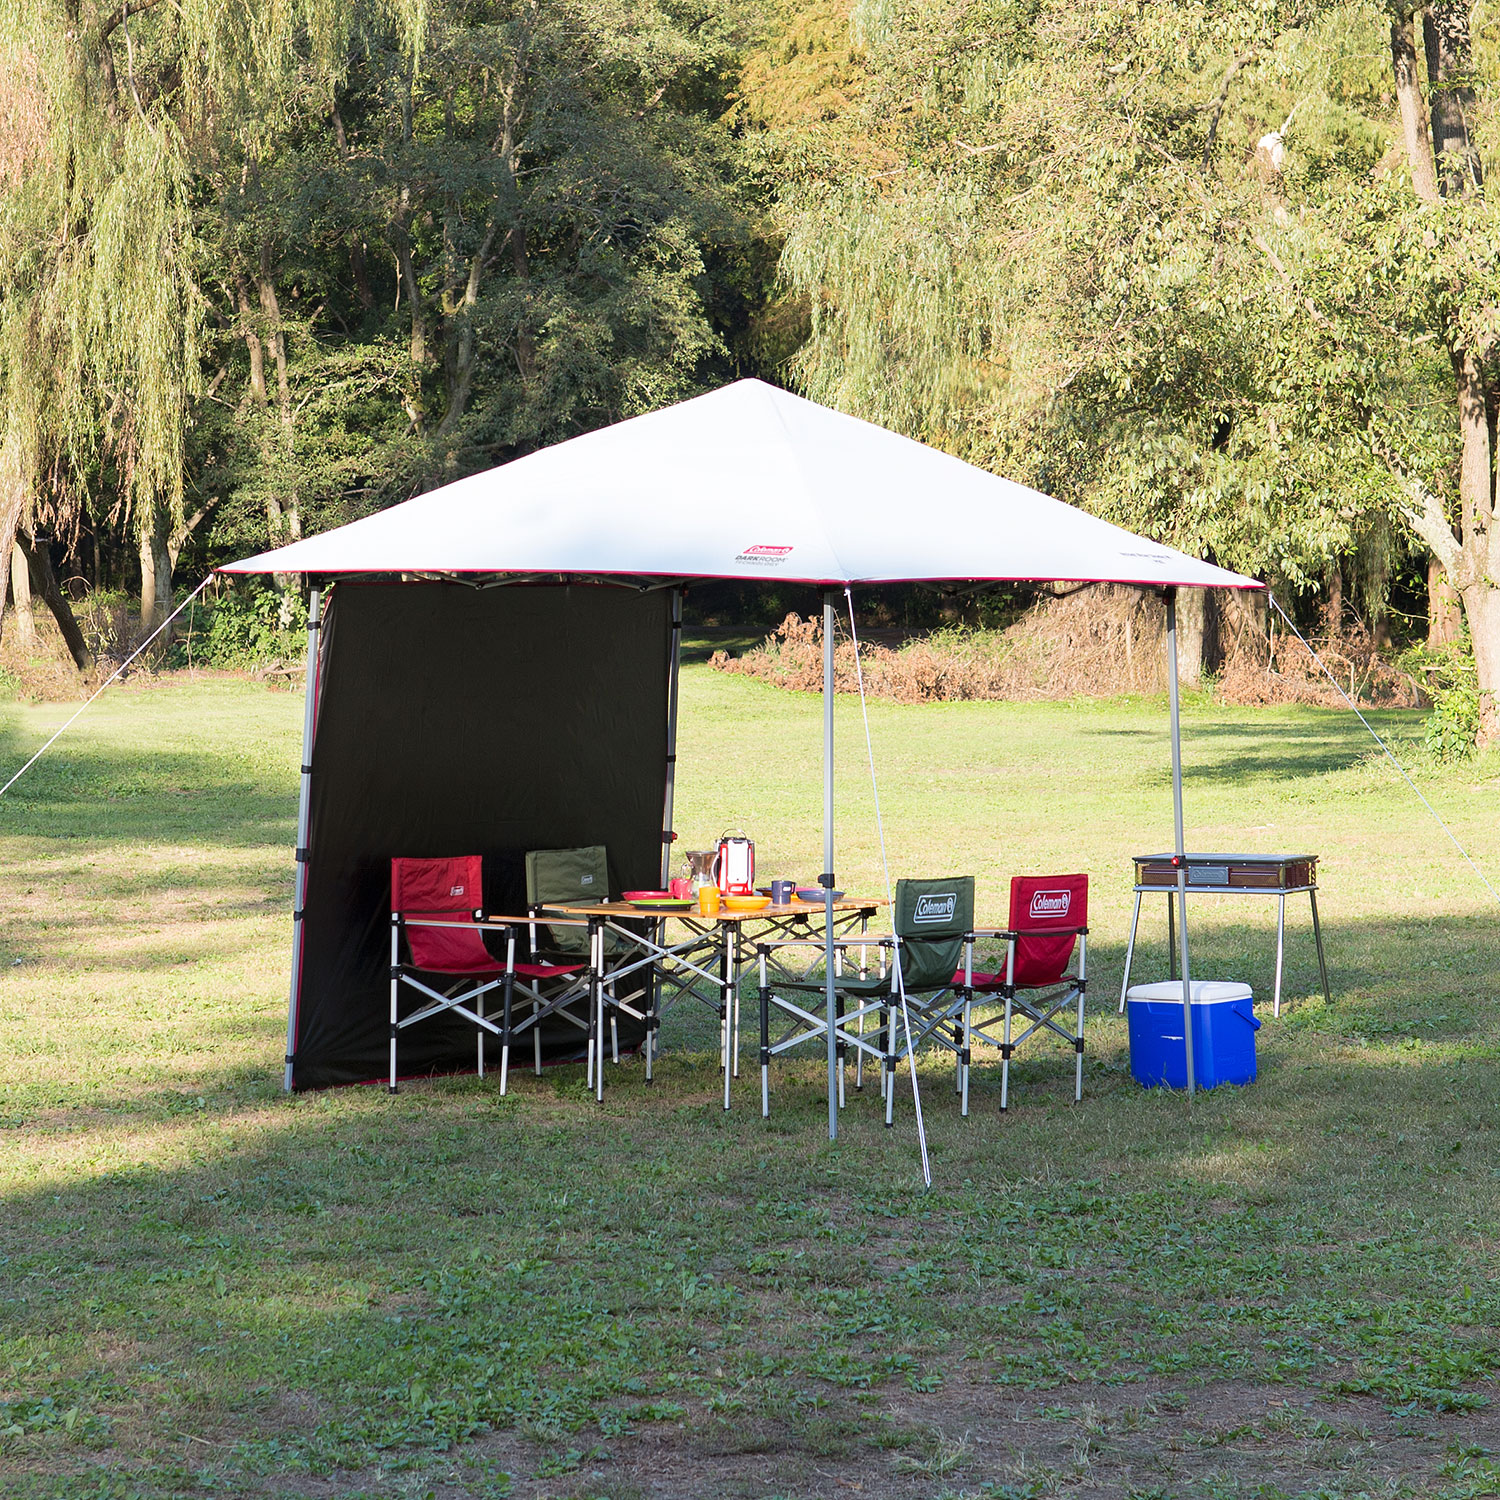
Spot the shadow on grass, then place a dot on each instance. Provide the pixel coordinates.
(342, 1279)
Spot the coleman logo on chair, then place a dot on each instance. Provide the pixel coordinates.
(1050, 903)
(761, 556)
(936, 908)
(455, 890)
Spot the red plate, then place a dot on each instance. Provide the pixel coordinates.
(644, 895)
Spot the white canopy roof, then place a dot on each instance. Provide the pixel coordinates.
(745, 482)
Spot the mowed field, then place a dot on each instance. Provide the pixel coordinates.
(207, 1289)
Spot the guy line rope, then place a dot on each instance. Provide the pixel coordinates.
(118, 672)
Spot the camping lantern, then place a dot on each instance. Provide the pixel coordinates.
(736, 865)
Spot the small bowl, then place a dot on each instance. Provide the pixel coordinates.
(815, 893)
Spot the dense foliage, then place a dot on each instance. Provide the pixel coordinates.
(1226, 272)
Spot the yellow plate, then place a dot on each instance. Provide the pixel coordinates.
(747, 903)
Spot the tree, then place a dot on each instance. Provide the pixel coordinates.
(1089, 245)
(1434, 256)
(101, 311)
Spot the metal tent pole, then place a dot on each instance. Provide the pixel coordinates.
(1180, 860)
(673, 669)
(827, 876)
(299, 899)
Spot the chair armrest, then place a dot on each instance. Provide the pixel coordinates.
(534, 921)
(871, 941)
(998, 932)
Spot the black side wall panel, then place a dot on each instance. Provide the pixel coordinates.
(460, 721)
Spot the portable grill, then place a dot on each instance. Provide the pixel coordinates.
(1278, 875)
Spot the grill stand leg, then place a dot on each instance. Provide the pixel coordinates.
(1135, 922)
(1280, 953)
(1318, 939)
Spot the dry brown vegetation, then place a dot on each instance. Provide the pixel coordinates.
(1103, 642)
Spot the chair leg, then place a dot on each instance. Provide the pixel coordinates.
(890, 1068)
(536, 1037)
(968, 1047)
(394, 983)
(507, 996)
(839, 1041)
(614, 1038)
(479, 1011)
(1005, 1059)
(1078, 1048)
(859, 1052)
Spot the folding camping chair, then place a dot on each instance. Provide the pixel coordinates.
(572, 878)
(436, 907)
(933, 947)
(1048, 916)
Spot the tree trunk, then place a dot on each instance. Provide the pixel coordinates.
(1414, 126)
(20, 592)
(1443, 618)
(1482, 606)
(276, 342)
(156, 579)
(1333, 580)
(1445, 35)
(44, 582)
(1191, 611)
(1244, 626)
(1463, 550)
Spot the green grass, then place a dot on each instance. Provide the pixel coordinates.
(1285, 1290)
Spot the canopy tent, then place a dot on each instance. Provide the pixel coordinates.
(747, 483)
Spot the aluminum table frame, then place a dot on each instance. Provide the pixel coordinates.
(683, 962)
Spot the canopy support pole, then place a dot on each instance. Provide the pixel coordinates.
(1180, 853)
(826, 878)
(304, 797)
(672, 675)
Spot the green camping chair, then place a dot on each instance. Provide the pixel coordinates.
(929, 959)
(580, 877)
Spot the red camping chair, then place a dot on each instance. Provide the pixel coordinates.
(436, 908)
(1049, 916)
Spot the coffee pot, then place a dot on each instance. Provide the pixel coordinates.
(698, 868)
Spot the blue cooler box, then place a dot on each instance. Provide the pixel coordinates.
(1224, 1028)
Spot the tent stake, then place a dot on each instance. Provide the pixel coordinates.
(299, 902)
(827, 877)
(1181, 860)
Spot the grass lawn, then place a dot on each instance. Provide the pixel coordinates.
(207, 1289)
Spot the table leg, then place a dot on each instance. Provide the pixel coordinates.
(1280, 952)
(599, 1011)
(1318, 939)
(734, 972)
(726, 970)
(653, 997)
(1135, 922)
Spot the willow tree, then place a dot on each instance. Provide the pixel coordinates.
(101, 310)
(1077, 242)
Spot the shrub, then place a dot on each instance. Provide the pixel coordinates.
(1453, 684)
(249, 626)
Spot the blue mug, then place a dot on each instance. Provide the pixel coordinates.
(782, 892)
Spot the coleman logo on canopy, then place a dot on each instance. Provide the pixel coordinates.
(936, 908)
(1050, 903)
(761, 556)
